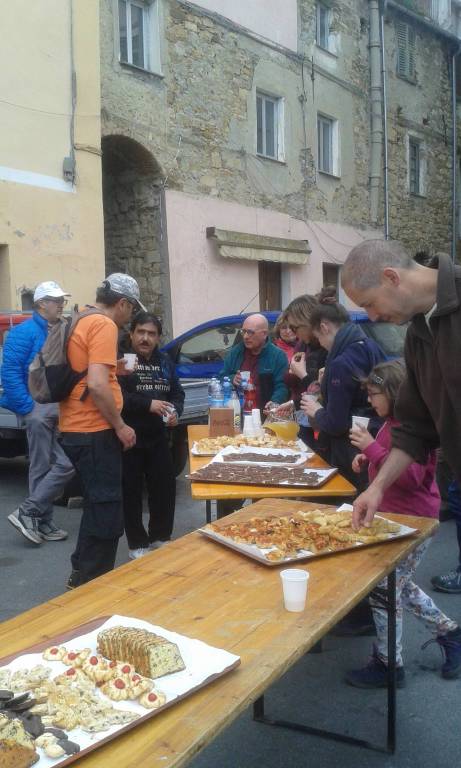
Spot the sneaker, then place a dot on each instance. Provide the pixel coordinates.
(133, 554)
(26, 525)
(374, 675)
(448, 582)
(450, 645)
(50, 532)
(73, 580)
(157, 544)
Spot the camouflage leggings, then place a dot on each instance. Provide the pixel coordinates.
(411, 597)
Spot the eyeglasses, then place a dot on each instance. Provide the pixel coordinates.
(59, 302)
(373, 394)
(249, 332)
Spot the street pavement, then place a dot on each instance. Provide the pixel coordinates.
(429, 708)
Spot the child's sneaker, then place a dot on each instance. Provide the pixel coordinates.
(374, 675)
(448, 582)
(450, 645)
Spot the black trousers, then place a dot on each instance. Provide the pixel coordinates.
(150, 459)
(96, 457)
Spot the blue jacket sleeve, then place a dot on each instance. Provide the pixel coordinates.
(335, 418)
(15, 369)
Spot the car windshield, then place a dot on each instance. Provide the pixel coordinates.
(210, 345)
(390, 337)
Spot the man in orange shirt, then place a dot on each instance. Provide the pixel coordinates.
(93, 433)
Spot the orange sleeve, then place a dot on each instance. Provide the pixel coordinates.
(102, 342)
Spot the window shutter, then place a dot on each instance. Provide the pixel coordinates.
(411, 52)
(406, 50)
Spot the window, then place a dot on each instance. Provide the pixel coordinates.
(328, 146)
(330, 275)
(269, 123)
(138, 34)
(414, 166)
(323, 26)
(406, 44)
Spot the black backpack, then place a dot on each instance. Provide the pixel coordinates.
(51, 377)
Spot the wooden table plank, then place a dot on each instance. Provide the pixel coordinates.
(199, 588)
(337, 486)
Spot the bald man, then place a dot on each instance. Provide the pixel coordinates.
(266, 362)
(381, 277)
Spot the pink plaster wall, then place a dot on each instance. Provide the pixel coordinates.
(276, 20)
(205, 285)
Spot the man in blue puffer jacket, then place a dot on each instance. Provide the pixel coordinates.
(49, 467)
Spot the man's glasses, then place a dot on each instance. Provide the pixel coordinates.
(249, 332)
(59, 302)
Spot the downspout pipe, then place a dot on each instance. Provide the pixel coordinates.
(382, 11)
(376, 121)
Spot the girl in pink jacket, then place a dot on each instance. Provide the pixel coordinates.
(414, 493)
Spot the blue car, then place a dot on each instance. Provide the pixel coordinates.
(199, 353)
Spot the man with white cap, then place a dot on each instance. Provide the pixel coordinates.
(49, 467)
(93, 433)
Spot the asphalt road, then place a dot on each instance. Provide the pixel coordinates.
(429, 708)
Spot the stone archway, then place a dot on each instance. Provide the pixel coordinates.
(132, 216)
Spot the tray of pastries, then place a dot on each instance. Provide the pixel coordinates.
(64, 698)
(209, 446)
(280, 539)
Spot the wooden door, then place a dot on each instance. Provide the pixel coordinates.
(270, 285)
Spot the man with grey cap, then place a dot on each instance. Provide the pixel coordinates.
(93, 433)
(49, 467)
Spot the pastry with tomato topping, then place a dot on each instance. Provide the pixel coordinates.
(116, 689)
(152, 699)
(54, 653)
(97, 669)
(76, 658)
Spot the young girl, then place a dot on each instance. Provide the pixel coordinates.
(414, 493)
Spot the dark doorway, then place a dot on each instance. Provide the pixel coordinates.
(132, 216)
(270, 285)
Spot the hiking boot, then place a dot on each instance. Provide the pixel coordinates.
(450, 646)
(448, 582)
(133, 554)
(26, 525)
(74, 580)
(374, 675)
(50, 532)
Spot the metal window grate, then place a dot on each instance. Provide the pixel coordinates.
(415, 167)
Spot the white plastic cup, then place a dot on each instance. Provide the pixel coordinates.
(248, 426)
(307, 397)
(245, 378)
(360, 421)
(130, 361)
(294, 585)
(256, 416)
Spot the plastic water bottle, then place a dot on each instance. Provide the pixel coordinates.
(217, 399)
(235, 402)
(211, 388)
(227, 391)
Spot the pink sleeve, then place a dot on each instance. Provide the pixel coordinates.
(376, 453)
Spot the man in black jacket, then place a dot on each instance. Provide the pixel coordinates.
(153, 399)
(382, 278)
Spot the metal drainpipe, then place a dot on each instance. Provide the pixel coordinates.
(376, 122)
(382, 10)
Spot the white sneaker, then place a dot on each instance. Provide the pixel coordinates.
(133, 554)
(157, 544)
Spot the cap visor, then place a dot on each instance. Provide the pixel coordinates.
(141, 306)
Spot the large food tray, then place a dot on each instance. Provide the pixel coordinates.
(269, 475)
(203, 663)
(260, 553)
(285, 456)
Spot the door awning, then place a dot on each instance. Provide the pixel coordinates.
(238, 245)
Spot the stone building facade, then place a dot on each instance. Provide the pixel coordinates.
(182, 153)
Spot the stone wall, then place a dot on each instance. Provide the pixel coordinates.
(198, 119)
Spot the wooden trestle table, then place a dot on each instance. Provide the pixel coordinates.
(204, 590)
(208, 492)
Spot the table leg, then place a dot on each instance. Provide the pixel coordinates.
(389, 602)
